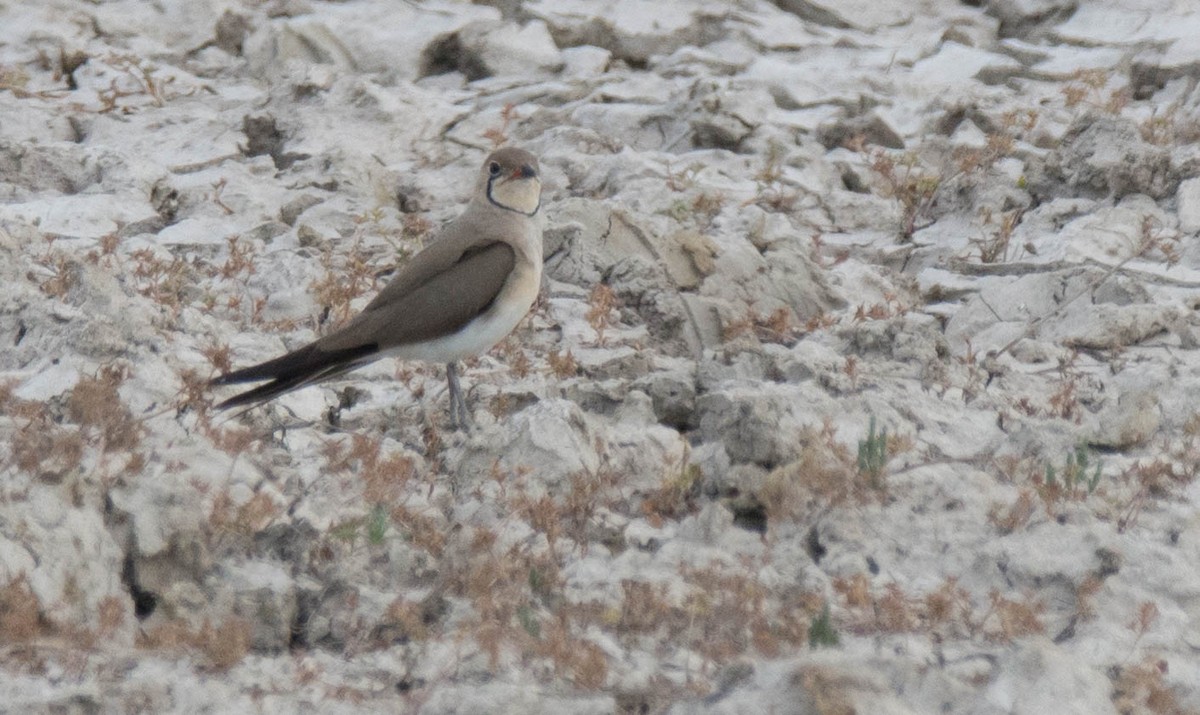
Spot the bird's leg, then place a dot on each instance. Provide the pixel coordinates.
(460, 418)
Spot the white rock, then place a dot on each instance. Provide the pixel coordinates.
(1109, 327)
(957, 65)
(585, 61)
(781, 30)
(372, 36)
(796, 85)
(967, 134)
(55, 379)
(1131, 420)
(632, 29)
(170, 25)
(1110, 25)
(508, 49)
(1184, 53)
(1108, 235)
(1188, 205)
(75, 561)
(1064, 63)
(264, 594)
(208, 231)
(757, 424)
(1038, 675)
(551, 440)
(1108, 157)
(859, 14)
(84, 216)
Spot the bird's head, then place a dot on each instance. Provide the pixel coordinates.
(511, 180)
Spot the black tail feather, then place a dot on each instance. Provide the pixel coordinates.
(305, 366)
(284, 365)
(262, 393)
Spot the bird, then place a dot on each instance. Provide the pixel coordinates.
(458, 297)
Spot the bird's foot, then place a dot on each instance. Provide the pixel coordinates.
(460, 416)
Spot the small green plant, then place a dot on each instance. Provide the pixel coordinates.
(377, 524)
(821, 633)
(1074, 481)
(680, 211)
(1078, 476)
(529, 621)
(541, 584)
(873, 454)
(347, 531)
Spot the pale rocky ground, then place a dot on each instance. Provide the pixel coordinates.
(768, 225)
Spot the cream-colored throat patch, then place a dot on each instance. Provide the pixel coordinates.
(520, 195)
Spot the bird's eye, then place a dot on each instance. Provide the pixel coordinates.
(494, 169)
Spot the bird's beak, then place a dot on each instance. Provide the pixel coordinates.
(525, 172)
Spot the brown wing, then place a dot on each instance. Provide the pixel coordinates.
(459, 238)
(439, 306)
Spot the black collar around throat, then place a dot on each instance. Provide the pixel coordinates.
(497, 204)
